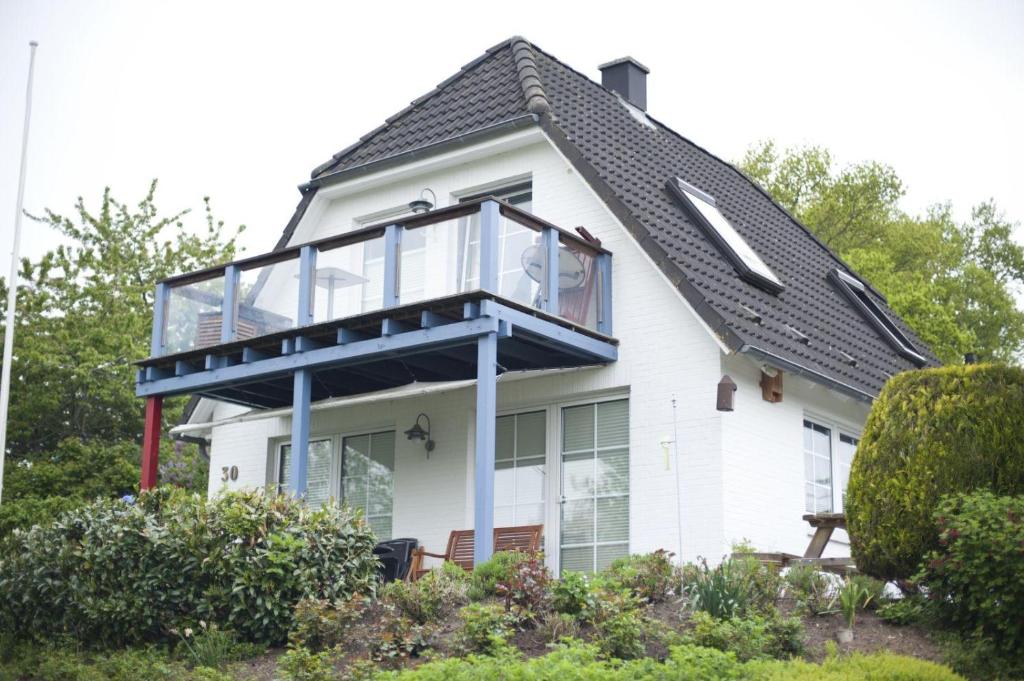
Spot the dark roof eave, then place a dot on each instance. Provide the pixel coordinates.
(811, 374)
(431, 149)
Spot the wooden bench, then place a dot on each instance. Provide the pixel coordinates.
(524, 538)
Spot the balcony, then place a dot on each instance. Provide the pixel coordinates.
(465, 292)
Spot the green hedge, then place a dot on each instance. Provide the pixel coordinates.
(976, 579)
(114, 572)
(931, 433)
(684, 663)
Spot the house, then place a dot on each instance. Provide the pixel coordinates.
(521, 300)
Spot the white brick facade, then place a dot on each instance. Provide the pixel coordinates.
(741, 472)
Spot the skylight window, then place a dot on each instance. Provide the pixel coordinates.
(747, 262)
(857, 294)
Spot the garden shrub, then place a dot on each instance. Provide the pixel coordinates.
(487, 575)
(732, 588)
(432, 596)
(302, 664)
(976, 579)
(575, 660)
(121, 573)
(813, 591)
(485, 628)
(526, 589)
(875, 589)
(320, 624)
(574, 594)
(555, 626)
(911, 609)
(395, 638)
(649, 576)
(622, 635)
(749, 638)
(931, 433)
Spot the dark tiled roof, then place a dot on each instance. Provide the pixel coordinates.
(628, 163)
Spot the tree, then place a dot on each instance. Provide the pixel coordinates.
(84, 315)
(952, 282)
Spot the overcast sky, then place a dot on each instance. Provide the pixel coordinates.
(240, 100)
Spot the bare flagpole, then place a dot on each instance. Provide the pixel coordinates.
(12, 281)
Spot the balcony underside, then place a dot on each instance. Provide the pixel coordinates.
(432, 340)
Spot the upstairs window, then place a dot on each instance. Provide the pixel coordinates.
(857, 294)
(725, 237)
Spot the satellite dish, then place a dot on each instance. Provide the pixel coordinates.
(571, 271)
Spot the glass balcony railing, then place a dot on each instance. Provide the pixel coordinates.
(485, 245)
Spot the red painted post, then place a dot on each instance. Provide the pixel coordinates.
(151, 442)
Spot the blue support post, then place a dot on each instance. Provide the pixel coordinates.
(486, 415)
(392, 258)
(550, 285)
(229, 307)
(156, 343)
(301, 395)
(604, 293)
(307, 280)
(489, 225)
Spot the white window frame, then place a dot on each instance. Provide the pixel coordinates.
(515, 456)
(837, 428)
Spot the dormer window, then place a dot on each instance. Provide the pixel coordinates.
(857, 294)
(705, 212)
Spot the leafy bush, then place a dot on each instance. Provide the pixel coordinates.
(487, 575)
(910, 609)
(976, 580)
(485, 628)
(723, 591)
(622, 635)
(555, 626)
(526, 589)
(814, 592)
(852, 597)
(577, 660)
(210, 646)
(432, 596)
(649, 576)
(931, 433)
(301, 664)
(875, 589)
(978, 657)
(574, 594)
(749, 638)
(320, 624)
(396, 638)
(117, 573)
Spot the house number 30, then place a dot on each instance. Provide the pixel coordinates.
(229, 473)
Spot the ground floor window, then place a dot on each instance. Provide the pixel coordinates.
(368, 478)
(318, 473)
(595, 485)
(826, 475)
(361, 473)
(519, 469)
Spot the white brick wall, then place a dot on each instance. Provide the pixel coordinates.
(741, 473)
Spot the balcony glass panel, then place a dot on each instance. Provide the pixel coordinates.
(438, 260)
(193, 315)
(578, 283)
(268, 299)
(520, 260)
(349, 280)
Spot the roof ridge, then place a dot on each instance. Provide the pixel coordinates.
(466, 68)
(529, 75)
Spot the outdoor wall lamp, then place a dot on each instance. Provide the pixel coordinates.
(726, 392)
(422, 204)
(418, 433)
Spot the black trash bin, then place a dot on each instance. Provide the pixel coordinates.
(395, 557)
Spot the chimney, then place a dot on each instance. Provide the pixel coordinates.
(628, 77)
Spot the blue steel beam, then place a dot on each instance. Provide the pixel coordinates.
(301, 396)
(542, 330)
(333, 356)
(229, 307)
(604, 302)
(486, 415)
(392, 256)
(156, 342)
